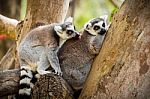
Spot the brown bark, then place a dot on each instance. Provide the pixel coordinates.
(50, 86)
(9, 82)
(41, 12)
(56, 88)
(71, 9)
(121, 70)
(7, 62)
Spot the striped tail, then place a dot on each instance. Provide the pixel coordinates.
(27, 81)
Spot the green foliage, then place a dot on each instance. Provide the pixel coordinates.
(88, 9)
(85, 10)
(115, 10)
(23, 9)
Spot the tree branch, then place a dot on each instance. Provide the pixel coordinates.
(7, 26)
(9, 82)
(7, 61)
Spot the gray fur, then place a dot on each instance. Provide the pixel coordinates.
(76, 57)
(38, 51)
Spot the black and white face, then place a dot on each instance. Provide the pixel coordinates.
(97, 25)
(66, 30)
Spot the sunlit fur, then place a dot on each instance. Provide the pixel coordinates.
(43, 38)
(62, 34)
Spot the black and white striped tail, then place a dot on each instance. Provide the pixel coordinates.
(27, 81)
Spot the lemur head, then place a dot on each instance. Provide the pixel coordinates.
(66, 30)
(97, 25)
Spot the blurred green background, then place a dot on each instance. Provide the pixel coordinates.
(85, 10)
(81, 10)
(88, 9)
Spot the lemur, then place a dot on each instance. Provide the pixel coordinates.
(76, 56)
(38, 51)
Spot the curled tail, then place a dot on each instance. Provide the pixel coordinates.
(27, 81)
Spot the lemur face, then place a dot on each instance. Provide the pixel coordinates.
(66, 30)
(97, 25)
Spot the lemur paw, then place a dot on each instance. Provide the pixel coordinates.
(58, 71)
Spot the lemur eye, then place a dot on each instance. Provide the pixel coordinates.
(103, 25)
(69, 32)
(96, 27)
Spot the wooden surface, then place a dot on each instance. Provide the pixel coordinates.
(121, 70)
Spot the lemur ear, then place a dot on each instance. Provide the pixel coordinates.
(105, 17)
(87, 26)
(69, 19)
(58, 29)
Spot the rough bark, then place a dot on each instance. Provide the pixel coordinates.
(9, 82)
(121, 70)
(7, 62)
(56, 87)
(41, 12)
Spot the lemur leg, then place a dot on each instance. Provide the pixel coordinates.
(43, 64)
(54, 61)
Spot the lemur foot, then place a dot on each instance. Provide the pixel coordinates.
(58, 71)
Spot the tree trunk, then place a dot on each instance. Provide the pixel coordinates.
(52, 86)
(121, 70)
(10, 79)
(41, 12)
(7, 62)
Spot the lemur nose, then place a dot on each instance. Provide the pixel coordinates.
(102, 32)
(77, 35)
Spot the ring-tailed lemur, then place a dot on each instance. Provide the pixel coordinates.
(38, 51)
(76, 56)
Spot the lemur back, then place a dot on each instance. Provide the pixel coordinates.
(30, 48)
(38, 51)
(76, 56)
